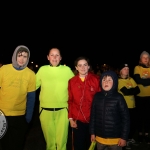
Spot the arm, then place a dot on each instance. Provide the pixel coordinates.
(1, 75)
(139, 80)
(30, 106)
(131, 91)
(92, 119)
(70, 100)
(98, 85)
(38, 80)
(70, 103)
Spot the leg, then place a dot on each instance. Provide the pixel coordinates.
(15, 136)
(101, 146)
(133, 124)
(133, 121)
(81, 136)
(114, 147)
(48, 128)
(140, 113)
(61, 124)
(69, 141)
(147, 119)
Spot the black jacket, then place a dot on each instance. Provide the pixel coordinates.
(109, 114)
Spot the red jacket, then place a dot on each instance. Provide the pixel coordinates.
(81, 96)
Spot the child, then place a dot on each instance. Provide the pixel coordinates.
(128, 88)
(109, 120)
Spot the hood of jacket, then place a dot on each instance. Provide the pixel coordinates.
(114, 76)
(14, 57)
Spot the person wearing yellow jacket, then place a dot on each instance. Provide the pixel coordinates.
(142, 78)
(128, 88)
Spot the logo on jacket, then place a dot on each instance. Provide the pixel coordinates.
(3, 124)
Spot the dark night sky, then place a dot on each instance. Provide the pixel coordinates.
(105, 38)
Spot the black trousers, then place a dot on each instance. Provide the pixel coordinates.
(14, 137)
(143, 113)
(133, 122)
(81, 136)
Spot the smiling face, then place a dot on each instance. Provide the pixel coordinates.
(54, 57)
(107, 83)
(82, 67)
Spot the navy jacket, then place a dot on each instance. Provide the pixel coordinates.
(109, 114)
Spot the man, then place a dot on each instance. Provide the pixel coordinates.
(17, 98)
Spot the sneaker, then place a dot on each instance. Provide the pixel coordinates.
(133, 142)
(147, 139)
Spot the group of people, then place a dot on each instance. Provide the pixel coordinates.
(98, 109)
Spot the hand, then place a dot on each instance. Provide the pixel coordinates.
(92, 137)
(122, 143)
(73, 123)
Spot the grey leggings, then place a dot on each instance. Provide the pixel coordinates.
(107, 147)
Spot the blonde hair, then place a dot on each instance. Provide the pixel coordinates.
(128, 76)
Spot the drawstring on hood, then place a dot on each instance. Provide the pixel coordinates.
(14, 57)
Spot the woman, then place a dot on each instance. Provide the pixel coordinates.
(82, 88)
(53, 80)
(128, 88)
(142, 78)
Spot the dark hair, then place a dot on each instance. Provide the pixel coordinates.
(54, 48)
(82, 58)
(22, 49)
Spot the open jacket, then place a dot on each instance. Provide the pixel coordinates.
(81, 96)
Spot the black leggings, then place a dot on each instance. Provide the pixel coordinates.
(133, 122)
(81, 136)
(143, 113)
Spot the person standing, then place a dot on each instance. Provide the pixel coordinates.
(142, 78)
(128, 88)
(17, 98)
(82, 88)
(109, 120)
(53, 82)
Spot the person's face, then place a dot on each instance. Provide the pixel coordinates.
(145, 59)
(54, 57)
(107, 83)
(82, 67)
(125, 71)
(22, 58)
